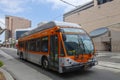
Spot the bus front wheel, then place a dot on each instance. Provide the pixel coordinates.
(45, 63)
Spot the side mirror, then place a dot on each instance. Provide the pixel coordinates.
(60, 30)
(64, 37)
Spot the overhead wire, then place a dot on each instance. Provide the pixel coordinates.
(67, 4)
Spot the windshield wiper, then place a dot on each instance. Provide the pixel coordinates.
(81, 45)
(87, 50)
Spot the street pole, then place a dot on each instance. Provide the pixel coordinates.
(2, 30)
(2, 23)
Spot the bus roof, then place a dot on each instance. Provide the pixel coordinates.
(51, 25)
(28, 29)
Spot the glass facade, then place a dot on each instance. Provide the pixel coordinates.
(19, 33)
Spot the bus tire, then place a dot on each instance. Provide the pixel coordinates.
(45, 63)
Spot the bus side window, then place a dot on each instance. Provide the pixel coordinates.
(38, 43)
(32, 45)
(44, 44)
(22, 44)
(28, 46)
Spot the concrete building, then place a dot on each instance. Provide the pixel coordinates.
(97, 14)
(12, 23)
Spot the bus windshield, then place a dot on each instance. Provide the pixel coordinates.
(77, 43)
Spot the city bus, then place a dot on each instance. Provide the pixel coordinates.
(59, 46)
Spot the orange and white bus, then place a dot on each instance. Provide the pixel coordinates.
(59, 46)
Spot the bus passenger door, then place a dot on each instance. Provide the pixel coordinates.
(54, 59)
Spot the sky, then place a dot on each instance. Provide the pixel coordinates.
(36, 10)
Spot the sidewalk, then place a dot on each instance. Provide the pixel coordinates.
(19, 70)
(4, 75)
(109, 59)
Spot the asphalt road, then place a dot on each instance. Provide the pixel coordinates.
(96, 73)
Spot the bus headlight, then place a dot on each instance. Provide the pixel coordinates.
(93, 59)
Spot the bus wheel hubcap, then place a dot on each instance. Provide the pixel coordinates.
(45, 63)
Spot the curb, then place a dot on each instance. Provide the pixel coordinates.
(6, 74)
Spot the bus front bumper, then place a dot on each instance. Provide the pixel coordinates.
(81, 66)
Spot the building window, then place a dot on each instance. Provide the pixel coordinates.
(103, 1)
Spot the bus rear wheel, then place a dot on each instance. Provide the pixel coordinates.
(45, 63)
